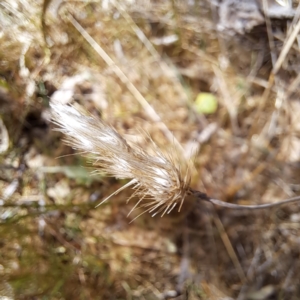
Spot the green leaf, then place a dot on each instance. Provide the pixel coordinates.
(74, 172)
(206, 103)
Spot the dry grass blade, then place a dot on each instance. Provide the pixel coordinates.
(4, 138)
(293, 86)
(157, 178)
(270, 32)
(139, 33)
(286, 48)
(139, 97)
(230, 249)
(228, 101)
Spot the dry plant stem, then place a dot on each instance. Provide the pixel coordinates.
(160, 181)
(272, 78)
(139, 33)
(4, 137)
(202, 196)
(230, 249)
(227, 98)
(286, 48)
(270, 33)
(143, 38)
(138, 96)
(293, 86)
(295, 20)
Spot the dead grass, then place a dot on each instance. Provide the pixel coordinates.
(55, 245)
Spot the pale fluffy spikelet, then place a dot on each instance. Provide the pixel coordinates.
(159, 181)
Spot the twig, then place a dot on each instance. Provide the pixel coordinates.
(203, 196)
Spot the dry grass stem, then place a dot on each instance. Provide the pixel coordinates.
(230, 249)
(135, 92)
(286, 48)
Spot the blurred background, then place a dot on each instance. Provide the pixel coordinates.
(216, 79)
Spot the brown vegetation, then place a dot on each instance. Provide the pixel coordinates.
(140, 67)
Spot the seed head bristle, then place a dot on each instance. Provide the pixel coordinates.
(158, 179)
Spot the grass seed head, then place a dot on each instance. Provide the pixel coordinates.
(158, 180)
